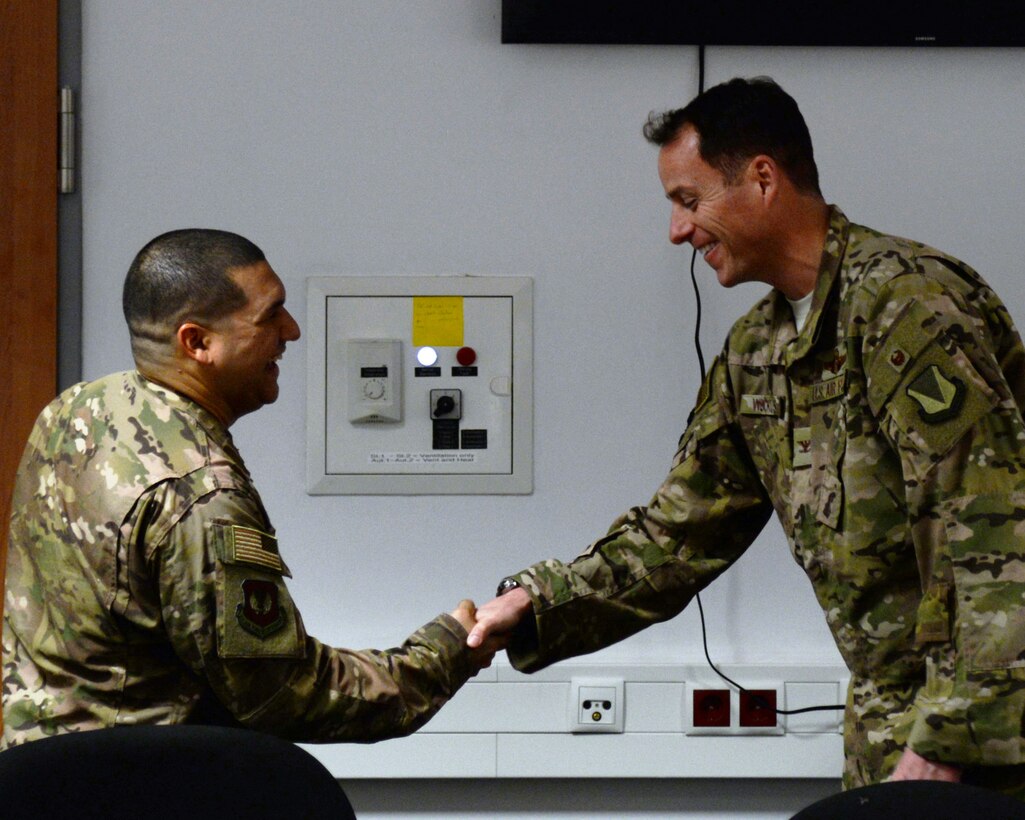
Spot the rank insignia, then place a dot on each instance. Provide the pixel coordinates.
(939, 397)
(802, 447)
(260, 612)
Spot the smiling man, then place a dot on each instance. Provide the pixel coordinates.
(144, 579)
(750, 223)
(872, 400)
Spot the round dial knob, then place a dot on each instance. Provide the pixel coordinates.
(373, 389)
(446, 404)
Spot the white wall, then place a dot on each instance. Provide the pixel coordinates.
(373, 137)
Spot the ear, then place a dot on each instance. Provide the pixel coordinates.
(194, 342)
(764, 172)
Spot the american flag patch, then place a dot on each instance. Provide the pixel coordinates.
(249, 546)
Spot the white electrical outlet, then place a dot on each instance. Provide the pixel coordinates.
(596, 705)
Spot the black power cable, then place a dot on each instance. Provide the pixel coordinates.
(757, 700)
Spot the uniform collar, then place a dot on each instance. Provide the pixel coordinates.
(829, 269)
(212, 426)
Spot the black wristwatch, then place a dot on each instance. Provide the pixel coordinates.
(505, 585)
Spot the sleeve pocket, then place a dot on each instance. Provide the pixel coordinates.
(256, 617)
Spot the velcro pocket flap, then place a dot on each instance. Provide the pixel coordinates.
(914, 329)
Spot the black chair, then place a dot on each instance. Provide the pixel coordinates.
(911, 799)
(158, 772)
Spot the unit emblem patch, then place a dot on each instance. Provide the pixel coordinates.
(260, 611)
(939, 397)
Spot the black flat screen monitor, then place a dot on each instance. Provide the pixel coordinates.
(765, 22)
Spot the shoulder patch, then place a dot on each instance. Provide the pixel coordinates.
(939, 397)
(939, 400)
(260, 611)
(256, 617)
(247, 545)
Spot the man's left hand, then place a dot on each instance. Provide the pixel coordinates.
(915, 767)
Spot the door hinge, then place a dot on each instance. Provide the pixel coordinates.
(66, 172)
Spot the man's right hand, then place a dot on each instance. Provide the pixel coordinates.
(499, 616)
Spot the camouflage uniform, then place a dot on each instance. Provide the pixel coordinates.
(888, 438)
(144, 585)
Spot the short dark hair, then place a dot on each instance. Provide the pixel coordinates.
(183, 276)
(738, 120)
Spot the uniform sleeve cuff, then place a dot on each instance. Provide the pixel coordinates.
(449, 636)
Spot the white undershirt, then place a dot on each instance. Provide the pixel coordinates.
(801, 308)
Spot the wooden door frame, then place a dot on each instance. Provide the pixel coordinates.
(28, 229)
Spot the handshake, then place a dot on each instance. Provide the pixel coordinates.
(489, 628)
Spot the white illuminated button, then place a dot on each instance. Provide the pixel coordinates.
(427, 356)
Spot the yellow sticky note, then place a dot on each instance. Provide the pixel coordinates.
(438, 321)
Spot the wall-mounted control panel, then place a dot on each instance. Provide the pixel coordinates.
(419, 385)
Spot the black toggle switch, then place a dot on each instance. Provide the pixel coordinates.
(445, 405)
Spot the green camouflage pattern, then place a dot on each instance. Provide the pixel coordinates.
(144, 585)
(887, 437)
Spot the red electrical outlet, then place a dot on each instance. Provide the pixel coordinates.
(711, 707)
(758, 707)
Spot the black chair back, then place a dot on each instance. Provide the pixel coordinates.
(910, 799)
(157, 772)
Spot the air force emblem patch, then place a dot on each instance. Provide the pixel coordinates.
(260, 612)
(938, 396)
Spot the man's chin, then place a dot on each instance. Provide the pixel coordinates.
(730, 278)
(725, 278)
(273, 390)
(268, 395)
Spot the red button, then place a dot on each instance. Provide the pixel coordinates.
(466, 356)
